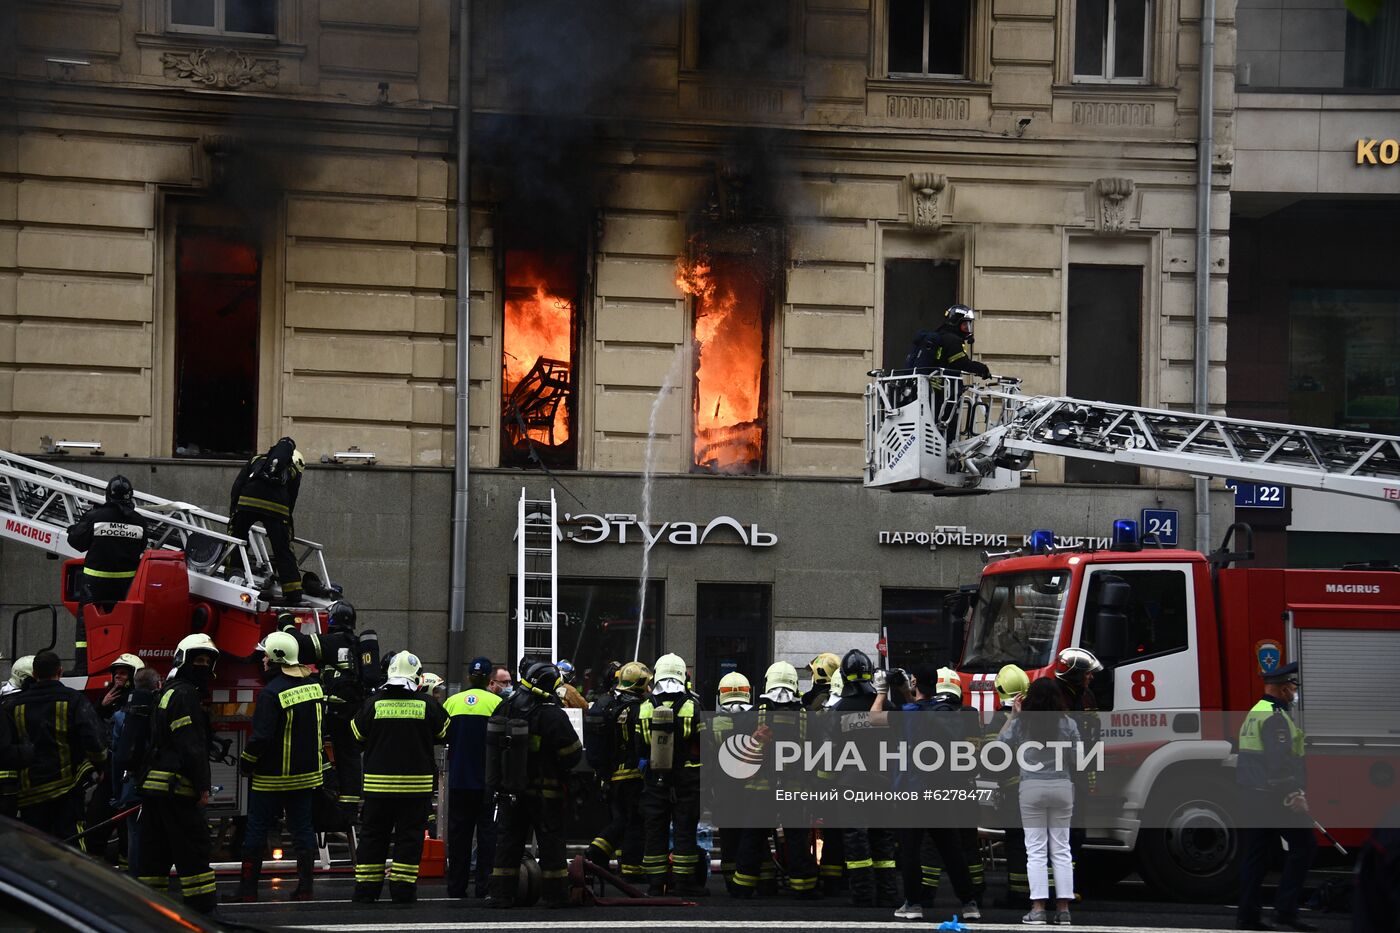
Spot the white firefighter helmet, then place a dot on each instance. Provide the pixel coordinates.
(280, 648)
(193, 643)
(428, 681)
(404, 666)
(734, 688)
(948, 682)
(22, 671)
(298, 462)
(128, 660)
(670, 674)
(780, 674)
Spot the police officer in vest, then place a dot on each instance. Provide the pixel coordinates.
(470, 807)
(174, 786)
(668, 737)
(113, 536)
(1273, 779)
(265, 492)
(614, 759)
(285, 759)
(399, 725)
(529, 769)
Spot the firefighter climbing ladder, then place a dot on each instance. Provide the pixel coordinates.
(998, 431)
(537, 578)
(39, 501)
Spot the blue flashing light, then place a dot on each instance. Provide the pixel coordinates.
(1042, 541)
(1125, 535)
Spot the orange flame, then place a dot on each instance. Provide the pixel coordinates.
(538, 325)
(729, 365)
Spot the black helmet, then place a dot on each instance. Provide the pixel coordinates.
(544, 677)
(856, 673)
(610, 675)
(119, 490)
(341, 615)
(960, 318)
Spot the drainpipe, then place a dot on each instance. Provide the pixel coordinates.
(1203, 176)
(457, 608)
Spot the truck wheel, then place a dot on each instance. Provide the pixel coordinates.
(1193, 851)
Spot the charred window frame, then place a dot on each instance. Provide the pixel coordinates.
(223, 17)
(928, 38)
(542, 285)
(741, 37)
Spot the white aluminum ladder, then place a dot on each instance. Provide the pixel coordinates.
(537, 578)
(39, 501)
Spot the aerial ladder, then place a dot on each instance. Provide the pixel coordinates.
(943, 433)
(39, 501)
(537, 578)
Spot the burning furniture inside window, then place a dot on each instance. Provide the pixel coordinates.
(537, 385)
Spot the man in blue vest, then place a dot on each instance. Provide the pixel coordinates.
(1272, 779)
(469, 804)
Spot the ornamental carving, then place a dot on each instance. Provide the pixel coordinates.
(927, 188)
(1113, 196)
(221, 69)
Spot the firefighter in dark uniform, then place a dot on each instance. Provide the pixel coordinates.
(947, 348)
(399, 725)
(285, 761)
(1011, 682)
(735, 696)
(831, 868)
(529, 779)
(1272, 778)
(343, 657)
(780, 716)
(470, 807)
(67, 738)
(174, 784)
(14, 753)
(614, 760)
(871, 871)
(265, 492)
(668, 739)
(113, 538)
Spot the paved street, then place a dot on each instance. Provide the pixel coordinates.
(1126, 907)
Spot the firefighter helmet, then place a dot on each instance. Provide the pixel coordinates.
(544, 677)
(405, 666)
(22, 671)
(856, 666)
(340, 615)
(119, 490)
(948, 682)
(298, 462)
(670, 674)
(634, 677)
(128, 660)
(1011, 682)
(280, 648)
(1074, 664)
(823, 666)
(780, 674)
(960, 318)
(566, 670)
(734, 688)
(198, 642)
(610, 674)
(428, 681)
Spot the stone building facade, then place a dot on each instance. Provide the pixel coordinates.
(289, 164)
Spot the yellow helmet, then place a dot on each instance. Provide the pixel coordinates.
(948, 682)
(780, 674)
(298, 462)
(404, 665)
(280, 648)
(634, 677)
(734, 688)
(823, 666)
(1011, 682)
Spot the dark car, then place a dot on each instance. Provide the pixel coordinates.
(46, 886)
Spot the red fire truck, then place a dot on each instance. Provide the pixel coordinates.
(1183, 635)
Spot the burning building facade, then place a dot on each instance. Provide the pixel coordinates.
(693, 233)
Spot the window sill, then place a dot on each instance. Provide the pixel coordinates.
(183, 41)
(926, 82)
(1123, 90)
